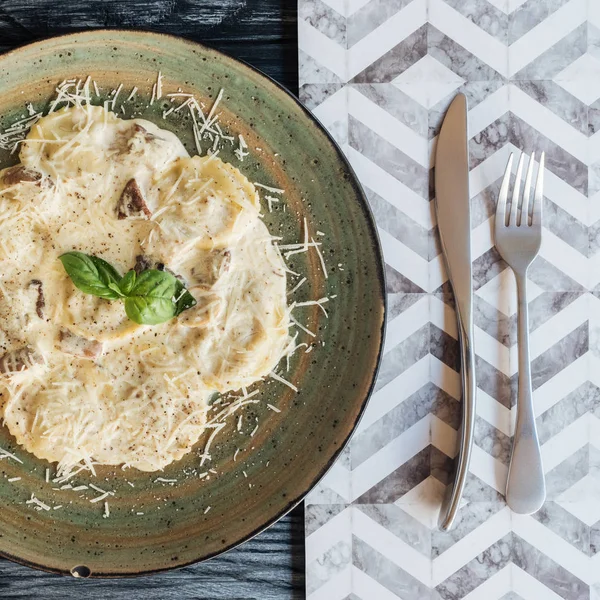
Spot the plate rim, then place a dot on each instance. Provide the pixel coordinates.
(380, 274)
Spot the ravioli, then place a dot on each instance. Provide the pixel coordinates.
(81, 382)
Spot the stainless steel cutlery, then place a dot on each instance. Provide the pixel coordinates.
(518, 230)
(454, 223)
(518, 233)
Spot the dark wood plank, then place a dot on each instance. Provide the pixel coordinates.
(269, 567)
(263, 33)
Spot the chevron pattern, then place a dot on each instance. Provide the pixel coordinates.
(380, 74)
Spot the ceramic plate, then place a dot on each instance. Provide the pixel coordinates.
(154, 525)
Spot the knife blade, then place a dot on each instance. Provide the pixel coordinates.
(454, 223)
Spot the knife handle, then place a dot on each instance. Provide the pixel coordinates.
(454, 493)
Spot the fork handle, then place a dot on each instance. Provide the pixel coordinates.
(525, 488)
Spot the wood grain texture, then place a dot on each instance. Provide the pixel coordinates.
(263, 33)
(269, 567)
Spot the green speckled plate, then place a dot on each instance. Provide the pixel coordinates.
(154, 526)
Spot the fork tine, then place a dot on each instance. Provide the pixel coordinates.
(503, 195)
(538, 198)
(524, 220)
(514, 206)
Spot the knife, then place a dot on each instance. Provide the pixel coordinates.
(454, 224)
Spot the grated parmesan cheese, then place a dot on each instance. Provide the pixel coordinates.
(284, 381)
(75, 92)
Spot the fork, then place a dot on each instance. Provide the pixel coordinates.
(518, 233)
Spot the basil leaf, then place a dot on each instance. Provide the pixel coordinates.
(116, 289)
(108, 274)
(183, 299)
(90, 275)
(149, 310)
(150, 300)
(160, 284)
(127, 282)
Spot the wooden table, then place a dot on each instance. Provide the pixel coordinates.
(263, 33)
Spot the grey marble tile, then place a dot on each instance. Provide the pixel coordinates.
(565, 525)
(492, 441)
(488, 141)
(441, 466)
(594, 176)
(493, 322)
(400, 105)
(324, 19)
(558, 160)
(558, 57)
(399, 224)
(559, 356)
(444, 347)
(477, 491)
(483, 204)
(401, 524)
(316, 515)
(429, 399)
(398, 303)
(387, 573)
(404, 355)
(594, 327)
(397, 60)
(445, 294)
(594, 118)
(504, 328)
(594, 238)
(397, 283)
(459, 60)
(550, 279)
(373, 14)
(593, 40)
(486, 267)
(528, 15)
(585, 398)
(567, 473)
(509, 126)
(566, 227)
(323, 495)
(551, 574)
(311, 71)
(388, 157)
(399, 482)
(594, 453)
(595, 541)
(332, 562)
(478, 570)
(313, 94)
(447, 409)
(485, 15)
(493, 382)
(555, 98)
(475, 92)
(469, 518)
(548, 304)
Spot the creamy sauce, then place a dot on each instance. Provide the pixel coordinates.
(80, 381)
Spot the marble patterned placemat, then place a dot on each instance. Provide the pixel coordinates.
(380, 74)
